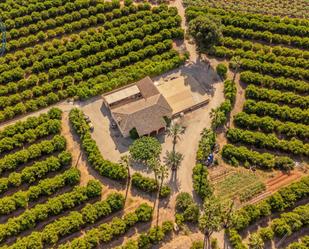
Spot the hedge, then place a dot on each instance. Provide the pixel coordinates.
(33, 152)
(267, 161)
(108, 231)
(105, 168)
(44, 187)
(71, 223)
(152, 237)
(149, 185)
(284, 113)
(31, 217)
(275, 83)
(267, 141)
(35, 171)
(268, 125)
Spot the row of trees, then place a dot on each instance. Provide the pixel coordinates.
(90, 67)
(250, 34)
(251, 16)
(276, 96)
(280, 83)
(258, 25)
(276, 69)
(302, 244)
(220, 115)
(152, 237)
(280, 201)
(267, 141)
(149, 185)
(234, 30)
(52, 11)
(286, 225)
(248, 157)
(72, 222)
(108, 41)
(96, 85)
(206, 145)
(57, 46)
(33, 152)
(259, 47)
(68, 52)
(108, 231)
(104, 167)
(186, 209)
(51, 127)
(13, 9)
(224, 52)
(67, 28)
(54, 206)
(44, 187)
(283, 199)
(30, 123)
(284, 113)
(35, 171)
(269, 125)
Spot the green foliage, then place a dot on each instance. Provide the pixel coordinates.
(144, 212)
(262, 160)
(183, 200)
(71, 223)
(35, 171)
(206, 29)
(200, 182)
(107, 231)
(53, 206)
(92, 62)
(144, 183)
(206, 144)
(221, 70)
(261, 140)
(197, 245)
(44, 187)
(133, 133)
(34, 151)
(145, 148)
(186, 209)
(105, 168)
(220, 114)
(281, 200)
(165, 191)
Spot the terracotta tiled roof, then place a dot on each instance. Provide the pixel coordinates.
(145, 114)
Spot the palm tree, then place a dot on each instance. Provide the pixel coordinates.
(126, 161)
(236, 60)
(173, 159)
(163, 174)
(154, 165)
(174, 131)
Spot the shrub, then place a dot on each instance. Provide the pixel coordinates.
(200, 181)
(183, 200)
(197, 245)
(221, 70)
(144, 212)
(165, 191)
(144, 183)
(191, 214)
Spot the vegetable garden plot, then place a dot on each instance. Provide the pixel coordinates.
(81, 48)
(273, 57)
(239, 184)
(285, 225)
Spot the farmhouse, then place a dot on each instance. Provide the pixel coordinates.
(140, 106)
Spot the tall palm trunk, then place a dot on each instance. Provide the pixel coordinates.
(235, 73)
